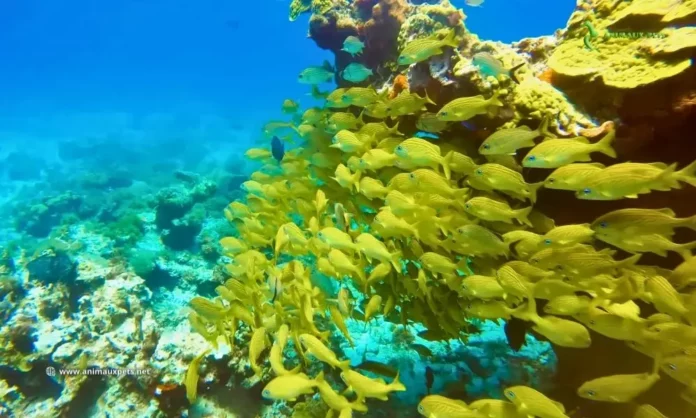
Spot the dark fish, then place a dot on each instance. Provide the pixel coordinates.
(422, 350)
(277, 149)
(476, 367)
(429, 378)
(377, 368)
(516, 333)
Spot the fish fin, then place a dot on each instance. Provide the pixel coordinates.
(446, 161)
(522, 215)
(685, 250)
(451, 40)
(666, 211)
(688, 174)
(428, 99)
(513, 71)
(327, 66)
(533, 189)
(604, 145)
(396, 385)
(544, 127)
(344, 365)
(495, 99)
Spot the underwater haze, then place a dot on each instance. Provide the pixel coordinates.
(347, 208)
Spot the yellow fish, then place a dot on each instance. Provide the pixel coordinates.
(366, 387)
(316, 348)
(628, 180)
(494, 210)
(648, 411)
(337, 239)
(562, 332)
(374, 249)
(555, 153)
(532, 402)
(620, 388)
(289, 387)
(465, 108)
(567, 235)
(628, 222)
(499, 177)
(346, 179)
(422, 49)
(373, 188)
(349, 142)
(508, 141)
(433, 406)
(333, 399)
(420, 152)
(256, 347)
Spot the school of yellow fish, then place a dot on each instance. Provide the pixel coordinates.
(429, 234)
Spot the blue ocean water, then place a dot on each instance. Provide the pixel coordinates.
(113, 80)
(234, 59)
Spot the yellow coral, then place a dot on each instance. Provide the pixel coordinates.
(297, 7)
(619, 63)
(537, 98)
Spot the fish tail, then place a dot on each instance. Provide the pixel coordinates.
(685, 250)
(513, 72)
(327, 65)
(533, 189)
(396, 261)
(460, 195)
(428, 99)
(344, 365)
(451, 39)
(688, 174)
(495, 99)
(544, 127)
(630, 261)
(356, 180)
(691, 223)
(396, 385)
(395, 128)
(447, 163)
(604, 145)
(522, 215)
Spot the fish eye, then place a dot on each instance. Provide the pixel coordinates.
(547, 241)
(587, 191)
(592, 322)
(467, 205)
(672, 366)
(443, 113)
(534, 260)
(421, 409)
(591, 393)
(603, 224)
(510, 393)
(300, 76)
(551, 180)
(345, 98)
(479, 172)
(266, 393)
(486, 146)
(531, 158)
(412, 176)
